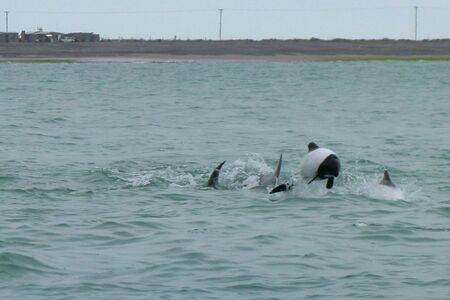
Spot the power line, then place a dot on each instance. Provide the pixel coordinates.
(236, 10)
(210, 10)
(141, 12)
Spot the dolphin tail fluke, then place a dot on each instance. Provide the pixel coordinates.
(387, 179)
(278, 169)
(214, 177)
(330, 182)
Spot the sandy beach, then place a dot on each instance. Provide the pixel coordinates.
(185, 50)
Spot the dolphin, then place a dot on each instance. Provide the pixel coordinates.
(387, 180)
(214, 177)
(320, 163)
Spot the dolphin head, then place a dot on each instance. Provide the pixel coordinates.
(330, 167)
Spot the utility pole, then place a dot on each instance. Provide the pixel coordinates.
(7, 36)
(220, 24)
(415, 24)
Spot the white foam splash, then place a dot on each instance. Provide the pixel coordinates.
(167, 175)
(244, 173)
(378, 191)
(368, 185)
(356, 183)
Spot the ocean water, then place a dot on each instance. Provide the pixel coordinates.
(103, 169)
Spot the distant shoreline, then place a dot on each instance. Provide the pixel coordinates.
(233, 50)
(223, 58)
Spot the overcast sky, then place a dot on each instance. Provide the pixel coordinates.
(252, 19)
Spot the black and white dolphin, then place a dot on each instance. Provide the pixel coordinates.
(320, 163)
(387, 180)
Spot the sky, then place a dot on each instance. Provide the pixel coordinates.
(242, 19)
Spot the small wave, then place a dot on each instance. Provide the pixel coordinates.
(443, 210)
(364, 275)
(54, 120)
(266, 239)
(253, 287)
(111, 225)
(40, 193)
(7, 178)
(43, 135)
(14, 264)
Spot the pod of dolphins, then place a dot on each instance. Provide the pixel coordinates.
(318, 164)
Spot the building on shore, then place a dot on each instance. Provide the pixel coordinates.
(82, 37)
(41, 36)
(9, 37)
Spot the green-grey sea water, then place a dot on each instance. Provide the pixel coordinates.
(103, 170)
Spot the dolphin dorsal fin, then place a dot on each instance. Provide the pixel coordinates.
(387, 179)
(214, 177)
(312, 146)
(278, 169)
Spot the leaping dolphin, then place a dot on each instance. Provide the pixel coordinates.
(318, 163)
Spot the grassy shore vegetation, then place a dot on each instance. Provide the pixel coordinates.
(36, 61)
(273, 50)
(384, 57)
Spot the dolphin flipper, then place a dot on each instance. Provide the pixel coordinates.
(387, 180)
(214, 177)
(317, 176)
(330, 182)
